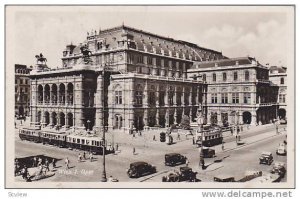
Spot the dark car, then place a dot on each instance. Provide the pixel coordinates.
(184, 174)
(224, 178)
(138, 169)
(266, 158)
(208, 153)
(172, 159)
(279, 168)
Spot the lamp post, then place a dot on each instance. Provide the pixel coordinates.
(103, 179)
(200, 125)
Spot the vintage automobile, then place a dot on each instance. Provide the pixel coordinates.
(184, 174)
(208, 153)
(249, 175)
(172, 159)
(279, 168)
(266, 158)
(224, 178)
(281, 150)
(282, 121)
(138, 169)
(266, 178)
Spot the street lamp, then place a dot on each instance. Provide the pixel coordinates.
(200, 125)
(103, 179)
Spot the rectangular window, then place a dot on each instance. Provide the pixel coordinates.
(224, 98)
(158, 61)
(247, 98)
(235, 76)
(118, 97)
(235, 98)
(224, 77)
(149, 60)
(140, 59)
(214, 98)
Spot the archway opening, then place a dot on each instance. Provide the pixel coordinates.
(282, 113)
(247, 117)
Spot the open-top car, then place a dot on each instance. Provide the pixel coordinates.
(266, 158)
(249, 175)
(281, 150)
(279, 168)
(184, 174)
(138, 169)
(172, 159)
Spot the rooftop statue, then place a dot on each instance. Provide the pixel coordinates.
(41, 59)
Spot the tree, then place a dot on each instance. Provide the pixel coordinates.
(185, 122)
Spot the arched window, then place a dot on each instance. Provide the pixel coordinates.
(224, 77)
(204, 77)
(282, 80)
(214, 77)
(152, 98)
(235, 76)
(247, 75)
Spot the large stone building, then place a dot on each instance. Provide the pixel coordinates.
(22, 90)
(278, 76)
(238, 91)
(143, 77)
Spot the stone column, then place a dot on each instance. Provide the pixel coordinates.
(99, 104)
(157, 117)
(175, 116)
(66, 94)
(50, 96)
(146, 117)
(182, 96)
(191, 114)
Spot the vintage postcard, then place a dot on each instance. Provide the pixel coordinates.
(150, 96)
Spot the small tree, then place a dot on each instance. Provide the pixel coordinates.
(185, 122)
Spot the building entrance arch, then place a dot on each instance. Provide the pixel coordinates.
(282, 113)
(247, 117)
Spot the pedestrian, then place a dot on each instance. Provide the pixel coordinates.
(53, 163)
(84, 157)
(79, 157)
(193, 140)
(178, 136)
(34, 162)
(154, 139)
(47, 165)
(67, 162)
(222, 146)
(187, 162)
(231, 130)
(133, 134)
(91, 157)
(40, 161)
(140, 132)
(117, 147)
(133, 151)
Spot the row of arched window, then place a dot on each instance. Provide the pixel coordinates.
(56, 94)
(224, 76)
(53, 118)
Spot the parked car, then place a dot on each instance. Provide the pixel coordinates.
(267, 178)
(138, 169)
(282, 121)
(279, 168)
(224, 178)
(281, 150)
(184, 174)
(266, 158)
(249, 175)
(172, 159)
(208, 152)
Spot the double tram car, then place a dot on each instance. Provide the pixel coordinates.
(91, 144)
(53, 138)
(211, 136)
(30, 135)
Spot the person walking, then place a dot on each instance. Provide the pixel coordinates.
(79, 157)
(117, 147)
(84, 155)
(67, 163)
(40, 161)
(47, 165)
(187, 162)
(193, 140)
(178, 136)
(53, 164)
(154, 138)
(133, 151)
(34, 162)
(91, 157)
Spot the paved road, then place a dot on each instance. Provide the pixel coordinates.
(235, 162)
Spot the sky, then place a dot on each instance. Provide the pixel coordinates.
(261, 32)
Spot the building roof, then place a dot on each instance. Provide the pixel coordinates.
(277, 69)
(224, 62)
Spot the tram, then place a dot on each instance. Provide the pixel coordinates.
(212, 135)
(93, 144)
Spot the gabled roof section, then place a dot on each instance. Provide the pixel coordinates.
(224, 62)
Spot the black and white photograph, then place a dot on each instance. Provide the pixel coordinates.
(150, 96)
